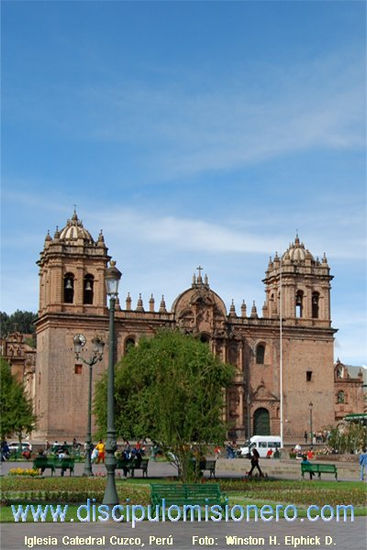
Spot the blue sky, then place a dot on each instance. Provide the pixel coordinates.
(191, 132)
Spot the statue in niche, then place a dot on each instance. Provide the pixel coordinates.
(232, 354)
(233, 399)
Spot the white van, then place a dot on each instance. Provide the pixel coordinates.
(262, 443)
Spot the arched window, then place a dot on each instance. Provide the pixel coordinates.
(129, 343)
(261, 422)
(315, 305)
(205, 338)
(88, 289)
(299, 304)
(260, 354)
(340, 397)
(68, 288)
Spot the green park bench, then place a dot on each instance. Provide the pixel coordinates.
(64, 464)
(319, 469)
(130, 465)
(187, 493)
(54, 463)
(44, 462)
(207, 465)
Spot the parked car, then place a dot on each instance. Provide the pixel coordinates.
(14, 447)
(262, 443)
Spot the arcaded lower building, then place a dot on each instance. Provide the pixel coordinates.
(297, 289)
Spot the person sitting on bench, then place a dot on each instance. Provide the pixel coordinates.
(306, 461)
(137, 457)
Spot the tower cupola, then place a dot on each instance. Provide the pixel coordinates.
(72, 267)
(74, 230)
(297, 252)
(302, 283)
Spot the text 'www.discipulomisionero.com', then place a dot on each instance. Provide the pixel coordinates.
(135, 513)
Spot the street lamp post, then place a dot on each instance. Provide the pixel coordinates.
(112, 279)
(98, 345)
(311, 434)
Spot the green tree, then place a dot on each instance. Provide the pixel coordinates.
(169, 388)
(21, 321)
(348, 437)
(16, 414)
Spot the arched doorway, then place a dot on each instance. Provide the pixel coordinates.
(261, 422)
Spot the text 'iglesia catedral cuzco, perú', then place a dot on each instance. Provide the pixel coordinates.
(292, 334)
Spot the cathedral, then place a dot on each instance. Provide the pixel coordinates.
(291, 334)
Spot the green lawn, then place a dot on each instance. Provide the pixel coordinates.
(74, 490)
(6, 515)
(300, 492)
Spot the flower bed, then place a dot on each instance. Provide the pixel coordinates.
(23, 472)
(68, 490)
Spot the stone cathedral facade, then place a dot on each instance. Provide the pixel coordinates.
(72, 300)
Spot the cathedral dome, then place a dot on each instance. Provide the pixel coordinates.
(74, 230)
(297, 252)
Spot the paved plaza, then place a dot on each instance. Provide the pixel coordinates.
(282, 469)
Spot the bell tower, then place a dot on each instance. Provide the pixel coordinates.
(303, 285)
(72, 300)
(298, 291)
(72, 269)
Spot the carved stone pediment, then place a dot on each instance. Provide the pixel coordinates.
(263, 394)
(202, 298)
(199, 297)
(200, 312)
(186, 319)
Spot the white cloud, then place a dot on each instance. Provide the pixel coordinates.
(257, 236)
(184, 233)
(159, 253)
(201, 235)
(184, 128)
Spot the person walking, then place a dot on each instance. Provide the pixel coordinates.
(5, 451)
(94, 454)
(305, 437)
(363, 462)
(101, 451)
(255, 462)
